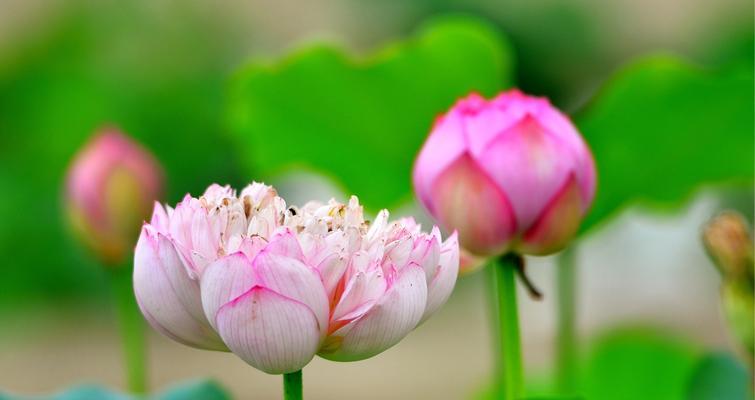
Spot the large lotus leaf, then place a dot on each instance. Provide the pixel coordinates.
(361, 119)
(719, 376)
(638, 364)
(662, 128)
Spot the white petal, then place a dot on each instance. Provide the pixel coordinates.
(225, 280)
(393, 317)
(252, 246)
(400, 250)
(377, 227)
(363, 288)
(204, 239)
(331, 270)
(293, 279)
(442, 284)
(269, 331)
(167, 296)
(160, 220)
(426, 253)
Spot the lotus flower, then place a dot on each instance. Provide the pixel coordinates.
(509, 174)
(277, 285)
(110, 188)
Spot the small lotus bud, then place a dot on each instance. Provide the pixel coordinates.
(509, 174)
(110, 189)
(728, 241)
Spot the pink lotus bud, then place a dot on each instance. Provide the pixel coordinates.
(278, 284)
(509, 174)
(110, 188)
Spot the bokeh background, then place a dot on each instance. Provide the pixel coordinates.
(329, 97)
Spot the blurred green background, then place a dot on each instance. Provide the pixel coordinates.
(234, 91)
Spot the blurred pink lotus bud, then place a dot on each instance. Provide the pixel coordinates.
(110, 188)
(509, 174)
(277, 285)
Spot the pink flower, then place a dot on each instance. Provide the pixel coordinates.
(277, 285)
(110, 188)
(509, 174)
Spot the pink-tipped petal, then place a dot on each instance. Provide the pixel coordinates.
(269, 331)
(284, 243)
(251, 246)
(363, 288)
(529, 165)
(294, 279)
(160, 220)
(558, 224)
(484, 126)
(168, 296)
(560, 126)
(223, 281)
(426, 253)
(393, 317)
(468, 201)
(400, 250)
(331, 270)
(204, 239)
(442, 284)
(445, 144)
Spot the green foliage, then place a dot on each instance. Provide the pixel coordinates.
(646, 364)
(194, 390)
(363, 120)
(661, 128)
(719, 376)
(99, 63)
(203, 389)
(631, 365)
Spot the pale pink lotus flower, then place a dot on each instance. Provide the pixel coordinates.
(110, 188)
(509, 174)
(277, 285)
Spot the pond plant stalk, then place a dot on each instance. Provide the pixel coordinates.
(292, 386)
(510, 375)
(566, 338)
(131, 327)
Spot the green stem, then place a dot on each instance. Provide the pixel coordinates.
(131, 325)
(292, 387)
(566, 341)
(510, 375)
(491, 297)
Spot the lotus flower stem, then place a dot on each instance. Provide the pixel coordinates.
(491, 298)
(566, 336)
(510, 377)
(131, 327)
(292, 386)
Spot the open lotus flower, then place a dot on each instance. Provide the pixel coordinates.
(277, 285)
(509, 174)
